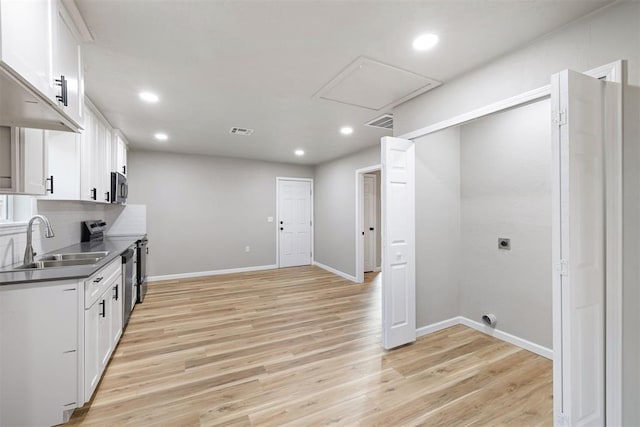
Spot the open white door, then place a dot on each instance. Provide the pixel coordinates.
(398, 242)
(578, 249)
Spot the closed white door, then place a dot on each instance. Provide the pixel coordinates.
(579, 250)
(294, 222)
(369, 226)
(398, 242)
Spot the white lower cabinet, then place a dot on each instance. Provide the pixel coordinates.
(39, 352)
(56, 339)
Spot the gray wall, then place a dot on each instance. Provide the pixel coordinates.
(335, 209)
(505, 188)
(203, 210)
(604, 37)
(437, 226)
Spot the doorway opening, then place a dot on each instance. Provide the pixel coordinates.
(368, 221)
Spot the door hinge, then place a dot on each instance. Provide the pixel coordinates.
(562, 267)
(560, 117)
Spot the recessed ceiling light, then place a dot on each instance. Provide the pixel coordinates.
(161, 136)
(148, 97)
(299, 152)
(346, 130)
(425, 41)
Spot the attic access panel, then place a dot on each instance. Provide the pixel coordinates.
(373, 85)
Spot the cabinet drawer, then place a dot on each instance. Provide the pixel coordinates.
(96, 285)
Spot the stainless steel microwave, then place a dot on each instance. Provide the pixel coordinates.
(119, 188)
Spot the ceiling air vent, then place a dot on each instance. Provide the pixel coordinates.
(240, 131)
(383, 122)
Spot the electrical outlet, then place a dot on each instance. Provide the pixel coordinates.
(247, 248)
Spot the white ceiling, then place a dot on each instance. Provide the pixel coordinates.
(257, 64)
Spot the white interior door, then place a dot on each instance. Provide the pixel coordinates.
(369, 225)
(579, 250)
(294, 222)
(398, 242)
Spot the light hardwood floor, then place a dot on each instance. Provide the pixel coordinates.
(300, 346)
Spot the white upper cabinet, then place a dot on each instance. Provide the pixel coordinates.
(27, 38)
(41, 77)
(63, 164)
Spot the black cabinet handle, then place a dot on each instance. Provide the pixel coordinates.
(94, 193)
(363, 233)
(370, 228)
(50, 190)
(63, 97)
(115, 288)
(107, 198)
(147, 250)
(124, 170)
(98, 280)
(104, 310)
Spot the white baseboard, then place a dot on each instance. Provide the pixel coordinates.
(210, 273)
(377, 269)
(496, 333)
(512, 339)
(336, 272)
(438, 326)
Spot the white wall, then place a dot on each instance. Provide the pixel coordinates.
(203, 210)
(601, 38)
(335, 211)
(505, 189)
(437, 226)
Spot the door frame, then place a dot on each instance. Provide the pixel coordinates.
(277, 224)
(373, 241)
(612, 72)
(359, 175)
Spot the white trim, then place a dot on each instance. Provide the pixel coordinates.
(530, 96)
(611, 72)
(211, 273)
(277, 221)
(438, 326)
(359, 174)
(336, 272)
(377, 269)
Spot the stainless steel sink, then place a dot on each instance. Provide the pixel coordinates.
(42, 264)
(75, 256)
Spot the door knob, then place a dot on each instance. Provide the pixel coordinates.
(281, 228)
(281, 222)
(370, 228)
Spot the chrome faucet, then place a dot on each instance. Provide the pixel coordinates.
(28, 252)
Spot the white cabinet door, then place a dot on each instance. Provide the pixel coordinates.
(38, 353)
(26, 32)
(92, 367)
(87, 182)
(105, 345)
(107, 164)
(120, 155)
(67, 65)
(33, 165)
(63, 164)
(117, 305)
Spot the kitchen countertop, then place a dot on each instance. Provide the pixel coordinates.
(115, 245)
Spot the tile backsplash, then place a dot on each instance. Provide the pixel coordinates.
(65, 218)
